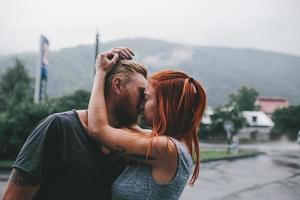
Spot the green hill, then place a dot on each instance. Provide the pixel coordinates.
(221, 70)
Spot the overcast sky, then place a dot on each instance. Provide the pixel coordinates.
(262, 24)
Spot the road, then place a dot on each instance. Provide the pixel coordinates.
(3, 179)
(275, 175)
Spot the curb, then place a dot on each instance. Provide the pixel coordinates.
(4, 179)
(233, 158)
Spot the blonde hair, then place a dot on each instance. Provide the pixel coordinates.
(124, 69)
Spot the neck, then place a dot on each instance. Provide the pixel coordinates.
(111, 117)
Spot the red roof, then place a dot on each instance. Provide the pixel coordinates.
(269, 105)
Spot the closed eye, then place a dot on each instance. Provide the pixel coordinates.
(142, 95)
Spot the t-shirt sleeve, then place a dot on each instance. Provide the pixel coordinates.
(38, 153)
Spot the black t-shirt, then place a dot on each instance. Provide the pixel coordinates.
(66, 162)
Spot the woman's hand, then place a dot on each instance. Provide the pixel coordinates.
(105, 61)
(124, 52)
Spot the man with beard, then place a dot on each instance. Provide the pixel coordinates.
(60, 161)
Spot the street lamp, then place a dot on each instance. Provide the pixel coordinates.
(228, 127)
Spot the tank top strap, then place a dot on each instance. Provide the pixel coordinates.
(184, 157)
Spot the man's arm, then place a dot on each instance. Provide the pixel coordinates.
(20, 186)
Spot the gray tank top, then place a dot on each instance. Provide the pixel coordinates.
(136, 182)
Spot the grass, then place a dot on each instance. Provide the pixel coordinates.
(218, 141)
(217, 154)
(6, 163)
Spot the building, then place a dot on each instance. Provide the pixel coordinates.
(206, 119)
(259, 126)
(268, 105)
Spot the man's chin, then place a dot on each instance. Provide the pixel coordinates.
(127, 123)
(126, 119)
(125, 115)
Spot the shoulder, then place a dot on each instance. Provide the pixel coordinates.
(61, 118)
(64, 116)
(170, 145)
(53, 122)
(164, 146)
(184, 157)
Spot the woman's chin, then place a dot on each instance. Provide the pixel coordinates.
(148, 122)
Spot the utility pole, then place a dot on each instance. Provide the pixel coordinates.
(96, 48)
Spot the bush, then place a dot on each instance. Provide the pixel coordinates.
(16, 125)
(287, 122)
(19, 115)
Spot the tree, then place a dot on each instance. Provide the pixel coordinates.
(78, 100)
(221, 115)
(19, 115)
(287, 122)
(15, 86)
(16, 96)
(16, 125)
(18, 122)
(231, 111)
(244, 99)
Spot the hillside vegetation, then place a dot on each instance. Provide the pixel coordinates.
(221, 70)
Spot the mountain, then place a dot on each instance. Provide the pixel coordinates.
(221, 70)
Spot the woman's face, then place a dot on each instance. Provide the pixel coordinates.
(150, 105)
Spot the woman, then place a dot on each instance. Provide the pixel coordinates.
(174, 105)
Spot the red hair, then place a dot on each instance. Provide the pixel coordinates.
(181, 103)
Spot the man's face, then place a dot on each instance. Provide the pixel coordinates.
(128, 108)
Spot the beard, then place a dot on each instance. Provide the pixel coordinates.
(126, 115)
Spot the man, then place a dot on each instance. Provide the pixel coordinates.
(60, 161)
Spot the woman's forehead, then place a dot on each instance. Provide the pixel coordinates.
(149, 88)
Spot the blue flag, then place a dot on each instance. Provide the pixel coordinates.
(44, 57)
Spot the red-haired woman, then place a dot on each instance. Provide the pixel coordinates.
(173, 107)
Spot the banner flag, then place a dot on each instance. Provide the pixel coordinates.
(41, 78)
(44, 57)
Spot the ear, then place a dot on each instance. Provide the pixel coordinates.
(116, 85)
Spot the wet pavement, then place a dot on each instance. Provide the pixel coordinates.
(4, 174)
(275, 175)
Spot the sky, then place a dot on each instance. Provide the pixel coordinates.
(272, 25)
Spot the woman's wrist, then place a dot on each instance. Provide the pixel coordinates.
(101, 73)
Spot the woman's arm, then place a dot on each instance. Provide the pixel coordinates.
(138, 129)
(127, 142)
